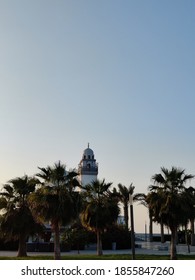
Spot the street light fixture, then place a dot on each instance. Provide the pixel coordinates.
(132, 227)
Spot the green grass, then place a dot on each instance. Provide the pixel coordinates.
(104, 257)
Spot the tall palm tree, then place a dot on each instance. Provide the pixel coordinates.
(17, 221)
(142, 198)
(100, 210)
(124, 193)
(189, 197)
(166, 201)
(56, 201)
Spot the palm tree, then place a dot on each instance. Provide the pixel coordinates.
(166, 201)
(124, 193)
(100, 210)
(189, 197)
(17, 221)
(143, 201)
(56, 201)
(143, 198)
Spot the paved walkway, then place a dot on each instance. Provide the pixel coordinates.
(154, 248)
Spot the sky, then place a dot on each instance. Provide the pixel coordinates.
(117, 74)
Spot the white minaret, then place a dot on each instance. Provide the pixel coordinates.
(88, 168)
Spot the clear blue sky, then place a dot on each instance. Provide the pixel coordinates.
(117, 74)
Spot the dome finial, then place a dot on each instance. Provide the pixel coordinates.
(88, 145)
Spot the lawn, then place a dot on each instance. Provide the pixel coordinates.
(104, 257)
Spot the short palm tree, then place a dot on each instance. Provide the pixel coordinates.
(56, 201)
(100, 209)
(17, 221)
(166, 201)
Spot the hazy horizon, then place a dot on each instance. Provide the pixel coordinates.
(116, 74)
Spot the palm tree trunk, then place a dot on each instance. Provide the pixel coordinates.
(99, 243)
(22, 246)
(126, 215)
(162, 232)
(187, 238)
(173, 251)
(56, 229)
(192, 232)
(150, 227)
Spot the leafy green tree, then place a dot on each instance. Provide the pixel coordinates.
(100, 209)
(17, 221)
(76, 236)
(167, 201)
(56, 200)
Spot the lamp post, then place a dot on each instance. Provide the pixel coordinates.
(132, 227)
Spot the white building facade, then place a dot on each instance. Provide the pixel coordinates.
(88, 167)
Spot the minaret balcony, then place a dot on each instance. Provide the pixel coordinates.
(88, 170)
